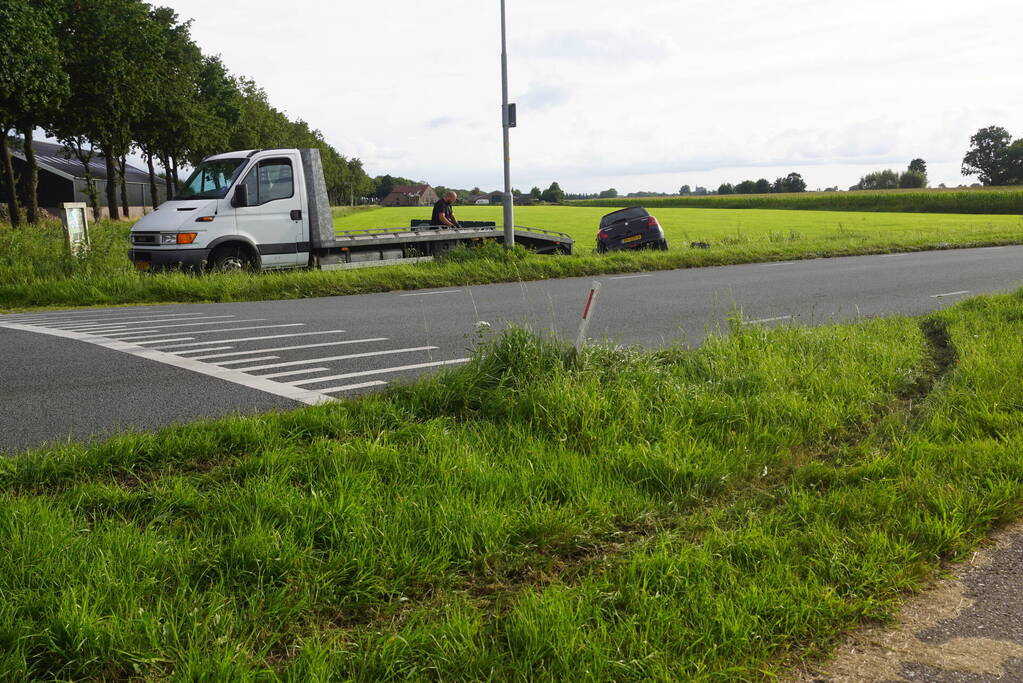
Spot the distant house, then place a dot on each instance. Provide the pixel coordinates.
(410, 195)
(62, 179)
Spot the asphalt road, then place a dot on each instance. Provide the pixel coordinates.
(87, 374)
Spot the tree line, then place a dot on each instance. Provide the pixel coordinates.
(793, 182)
(116, 76)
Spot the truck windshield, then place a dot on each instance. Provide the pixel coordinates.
(211, 179)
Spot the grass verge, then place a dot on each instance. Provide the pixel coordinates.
(622, 515)
(36, 272)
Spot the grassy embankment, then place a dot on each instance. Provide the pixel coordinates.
(987, 200)
(35, 272)
(670, 515)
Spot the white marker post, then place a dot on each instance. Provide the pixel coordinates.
(591, 303)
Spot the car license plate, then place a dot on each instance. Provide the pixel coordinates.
(634, 238)
(142, 265)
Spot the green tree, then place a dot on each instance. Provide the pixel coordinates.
(912, 179)
(878, 180)
(746, 187)
(33, 84)
(608, 194)
(553, 194)
(794, 183)
(990, 157)
(918, 165)
(726, 188)
(685, 191)
(763, 186)
(536, 193)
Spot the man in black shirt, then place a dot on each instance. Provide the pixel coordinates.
(442, 213)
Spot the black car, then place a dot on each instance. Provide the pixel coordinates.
(631, 228)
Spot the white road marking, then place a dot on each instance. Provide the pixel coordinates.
(767, 320)
(219, 341)
(247, 360)
(780, 263)
(124, 322)
(246, 339)
(284, 348)
(62, 315)
(989, 248)
(366, 373)
(215, 348)
(448, 291)
(901, 253)
(226, 374)
(291, 373)
(629, 277)
(352, 387)
(368, 354)
(165, 341)
(939, 296)
(152, 328)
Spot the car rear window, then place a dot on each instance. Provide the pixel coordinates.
(624, 215)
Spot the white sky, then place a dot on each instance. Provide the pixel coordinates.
(643, 95)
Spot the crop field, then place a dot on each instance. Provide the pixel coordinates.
(735, 227)
(990, 200)
(35, 270)
(621, 515)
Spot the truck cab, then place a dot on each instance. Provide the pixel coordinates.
(239, 210)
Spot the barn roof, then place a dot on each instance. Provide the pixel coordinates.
(60, 160)
(410, 189)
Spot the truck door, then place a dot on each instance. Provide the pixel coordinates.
(273, 217)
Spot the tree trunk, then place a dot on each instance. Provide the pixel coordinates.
(122, 164)
(167, 180)
(155, 196)
(108, 159)
(32, 201)
(12, 190)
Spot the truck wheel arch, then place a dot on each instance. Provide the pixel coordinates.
(238, 242)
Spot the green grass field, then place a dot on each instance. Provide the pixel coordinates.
(623, 516)
(36, 272)
(733, 227)
(989, 200)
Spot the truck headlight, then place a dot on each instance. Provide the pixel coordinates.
(168, 238)
(178, 237)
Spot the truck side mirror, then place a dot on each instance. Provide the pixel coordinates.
(241, 196)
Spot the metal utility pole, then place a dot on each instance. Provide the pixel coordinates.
(507, 123)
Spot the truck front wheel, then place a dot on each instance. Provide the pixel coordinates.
(230, 258)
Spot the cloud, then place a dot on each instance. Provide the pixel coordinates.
(617, 46)
(442, 122)
(540, 96)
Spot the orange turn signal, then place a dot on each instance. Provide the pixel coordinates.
(205, 219)
(187, 237)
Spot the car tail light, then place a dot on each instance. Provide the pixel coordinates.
(651, 222)
(602, 235)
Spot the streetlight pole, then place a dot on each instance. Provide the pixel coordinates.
(507, 122)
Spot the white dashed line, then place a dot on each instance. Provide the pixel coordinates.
(245, 360)
(215, 348)
(383, 371)
(166, 341)
(228, 375)
(154, 328)
(292, 373)
(767, 320)
(780, 263)
(352, 387)
(246, 339)
(628, 277)
(368, 354)
(219, 341)
(449, 291)
(284, 348)
(940, 296)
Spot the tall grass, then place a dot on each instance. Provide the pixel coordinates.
(996, 200)
(620, 515)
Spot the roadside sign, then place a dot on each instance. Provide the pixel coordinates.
(76, 227)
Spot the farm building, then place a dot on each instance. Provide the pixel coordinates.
(62, 179)
(410, 195)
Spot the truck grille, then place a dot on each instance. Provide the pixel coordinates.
(145, 238)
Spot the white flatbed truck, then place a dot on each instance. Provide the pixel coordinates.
(268, 209)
